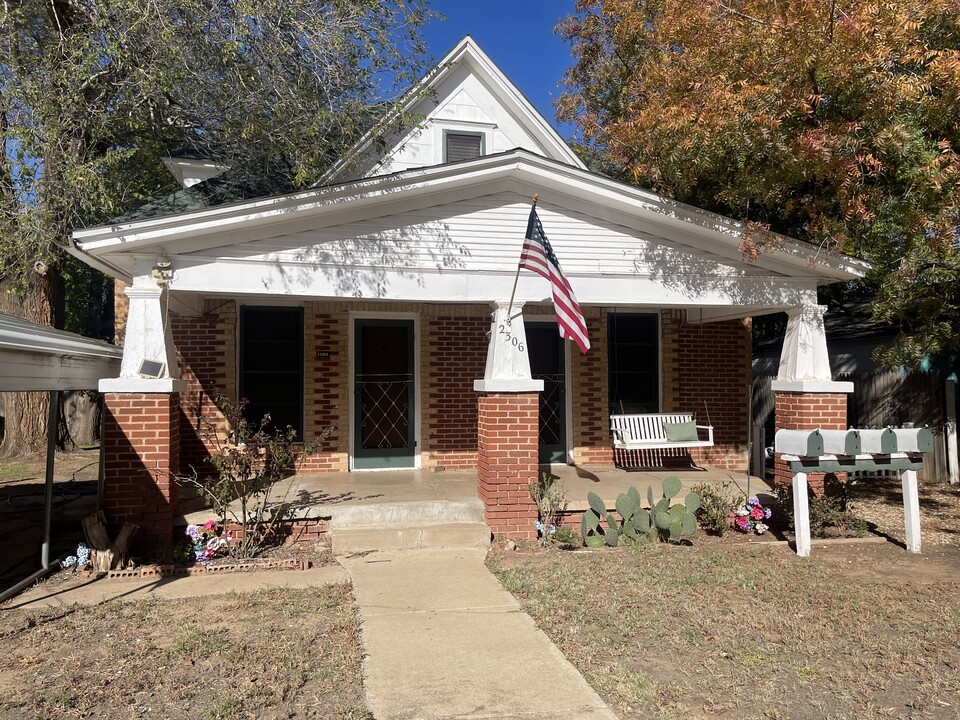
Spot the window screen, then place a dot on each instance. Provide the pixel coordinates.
(271, 365)
(634, 363)
(463, 146)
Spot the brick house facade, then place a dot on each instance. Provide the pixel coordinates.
(395, 238)
(453, 347)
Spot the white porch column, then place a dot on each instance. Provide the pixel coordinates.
(507, 428)
(805, 394)
(141, 437)
(148, 338)
(508, 359)
(804, 362)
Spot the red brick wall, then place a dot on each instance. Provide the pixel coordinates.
(206, 353)
(121, 308)
(507, 446)
(713, 366)
(326, 402)
(291, 531)
(141, 454)
(808, 411)
(455, 353)
(590, 379)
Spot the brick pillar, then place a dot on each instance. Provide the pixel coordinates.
(808, 411)
(141, 453)
(508, 462)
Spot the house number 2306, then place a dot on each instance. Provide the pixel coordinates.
(511, 338)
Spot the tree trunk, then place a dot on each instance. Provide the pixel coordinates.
(81, 411)
(106, 555)
(24, 424)
(25, 413)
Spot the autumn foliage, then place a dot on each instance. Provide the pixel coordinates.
(833, 122)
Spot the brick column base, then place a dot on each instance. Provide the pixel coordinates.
(808, 411)
(141, 453)
(507, 461)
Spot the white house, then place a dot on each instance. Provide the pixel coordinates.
(364, 304)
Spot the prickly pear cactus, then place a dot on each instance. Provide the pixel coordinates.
(674, 522)
(591, 529)
(663, 521)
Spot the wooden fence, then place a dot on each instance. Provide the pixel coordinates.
(880, 398)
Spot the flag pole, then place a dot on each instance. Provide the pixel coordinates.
(516, 278)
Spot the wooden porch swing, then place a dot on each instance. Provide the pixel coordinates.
(657, 431)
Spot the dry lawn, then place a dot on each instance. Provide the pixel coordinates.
(727, 629)
(272, 654)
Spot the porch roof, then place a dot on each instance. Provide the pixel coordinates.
(37, 357)
(452, 233)
(115, 246)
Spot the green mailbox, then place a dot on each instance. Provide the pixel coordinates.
(914, 439)
(805, 443)
(841, 442)
(878, 442)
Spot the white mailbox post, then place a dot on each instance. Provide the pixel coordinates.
(832, 451)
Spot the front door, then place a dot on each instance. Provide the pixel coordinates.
(384, 395)
(546, 363)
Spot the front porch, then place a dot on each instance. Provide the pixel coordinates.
(401, 504)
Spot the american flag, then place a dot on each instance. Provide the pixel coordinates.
(538, 256)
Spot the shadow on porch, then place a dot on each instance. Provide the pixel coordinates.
(356, 496)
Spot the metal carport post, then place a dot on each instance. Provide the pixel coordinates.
(36, 358)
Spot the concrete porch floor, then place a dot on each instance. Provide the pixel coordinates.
(325, 495)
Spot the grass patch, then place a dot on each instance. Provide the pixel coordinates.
(15, 470)
(225, 710)
(271, 654)
(707, 630)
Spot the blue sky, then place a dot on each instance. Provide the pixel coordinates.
(517, 35)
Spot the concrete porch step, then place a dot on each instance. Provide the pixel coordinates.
(408, 526)
(421, 512)
(409, 537)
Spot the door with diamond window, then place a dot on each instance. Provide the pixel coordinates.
(546, 363)
(384, 395)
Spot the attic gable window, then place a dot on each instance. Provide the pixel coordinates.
(459, 146)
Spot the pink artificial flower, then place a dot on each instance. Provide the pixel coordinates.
(743, 522)
(210, 525)
(757, 513)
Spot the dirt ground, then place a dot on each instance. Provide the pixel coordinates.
(880, 502)
(726, 628)
(22, 495)
(739, 626)
(723, 628)
(273, 654)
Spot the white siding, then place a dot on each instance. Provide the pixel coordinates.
(463, 101)
(483, 235)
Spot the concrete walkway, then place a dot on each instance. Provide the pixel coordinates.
(441, 636)
(94, 592)
(443, 639)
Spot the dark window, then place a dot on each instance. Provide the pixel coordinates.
(462, 146)
(271, 365)
(634, 344)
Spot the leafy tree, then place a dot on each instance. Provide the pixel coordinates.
(833, 122)
(93, 93)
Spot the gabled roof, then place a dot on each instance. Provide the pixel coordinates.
(224, 189)
(115, 246)
(465, 54)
